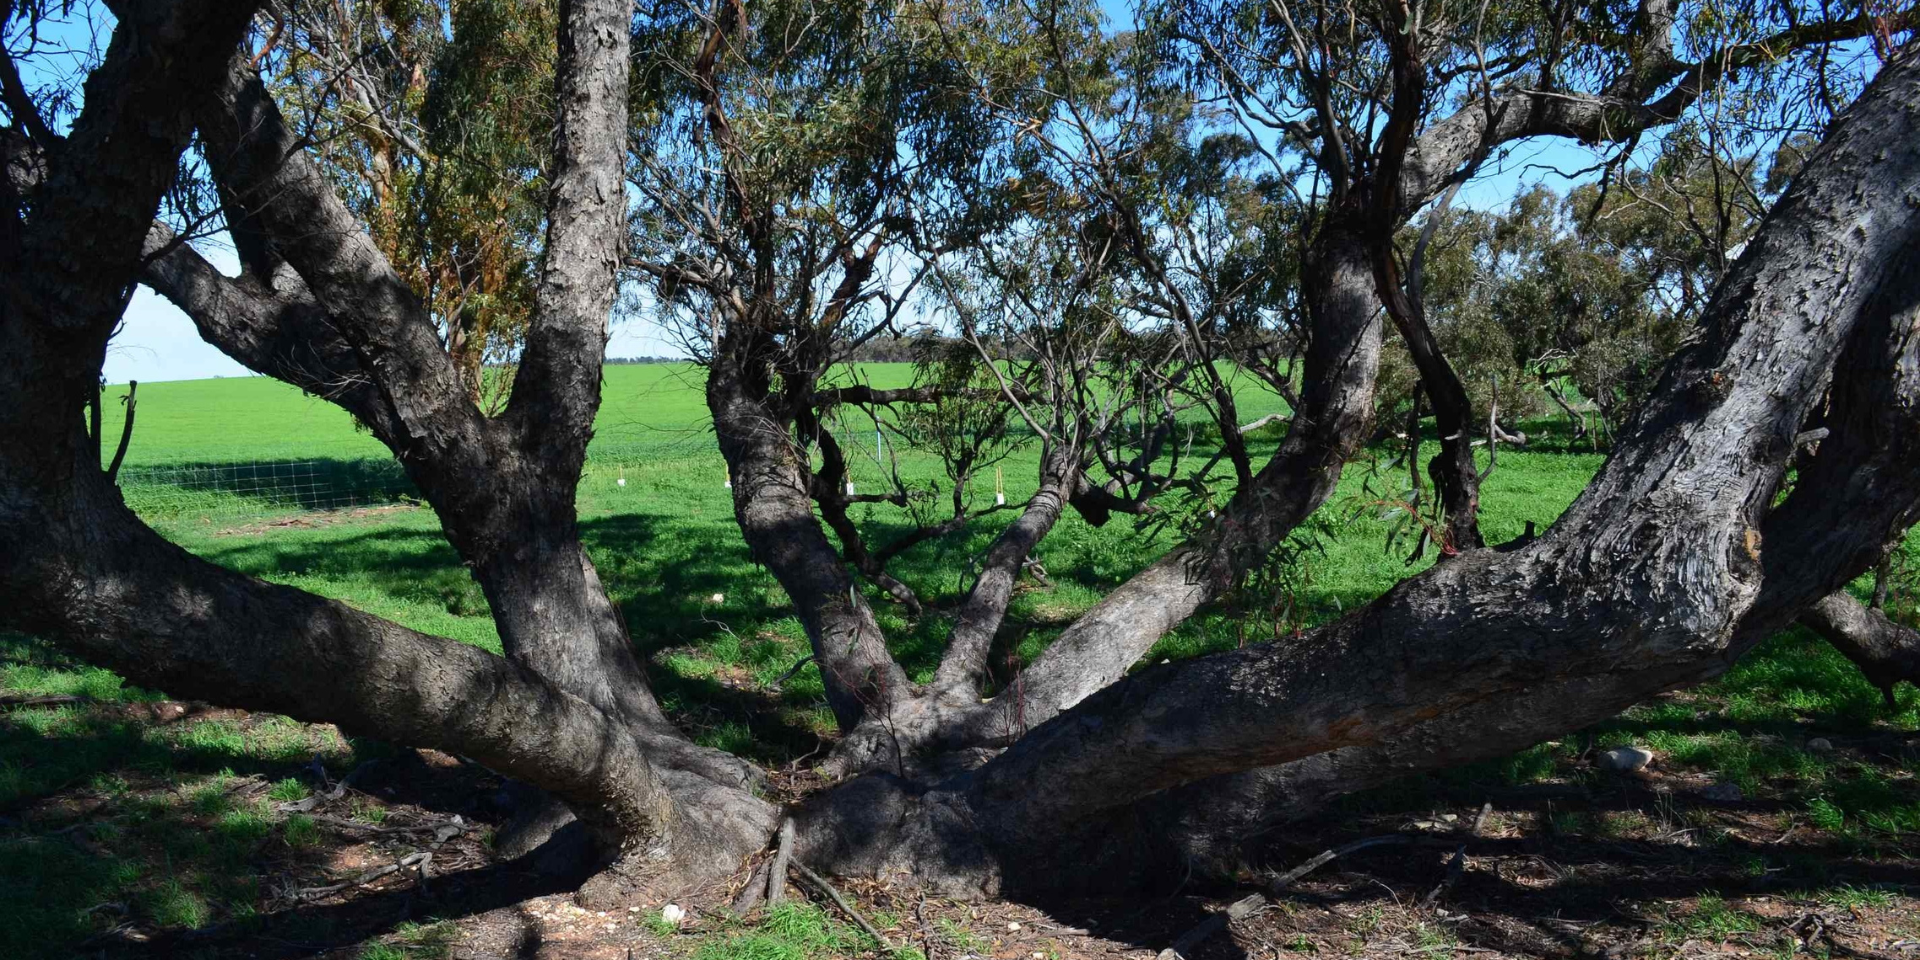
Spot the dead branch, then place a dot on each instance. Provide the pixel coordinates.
(1247, 906)
(1456, 866)
(827, 888)
(777, 876)
(43, 701)
(337, 791)
(1287, 879)
(126, 432)
(751, 895)
(1238, 910)
(312, 893)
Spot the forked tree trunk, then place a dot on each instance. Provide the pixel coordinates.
(1335, 409)
(924, 719)
(1336, 404)
(1670, 565)
(1666, 569)
(569, 709)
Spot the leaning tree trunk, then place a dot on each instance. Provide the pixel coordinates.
(1671, 565)
(1336, 406)
(774, 507)
(569, 710)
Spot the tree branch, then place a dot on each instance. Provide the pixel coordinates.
(557, 388)
(1887, 652)
(1610, 117)
(276, 193)
(121, 155)
(1335, 409)
(271, 325)
(1702, 469)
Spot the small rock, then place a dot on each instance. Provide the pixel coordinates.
(1626, 759)
(1012, 927)
(1820, 745)
(1722, 792)
(672, 913)
(1449, 817)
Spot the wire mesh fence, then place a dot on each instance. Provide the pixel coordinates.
(260, 488)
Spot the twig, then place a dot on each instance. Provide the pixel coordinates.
(442, 832)
(1263, 421)
(920, 921)
(751, 895)
(1238, 910)
(1455, 867)
(126, 432)
(46, 701)
(777, 876)
(791, 671)
(841, 902)
(308, 893)
(336, 792)
(1286, 880)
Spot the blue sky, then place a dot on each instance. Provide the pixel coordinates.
(156, 342)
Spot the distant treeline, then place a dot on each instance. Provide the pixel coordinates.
(877, 350)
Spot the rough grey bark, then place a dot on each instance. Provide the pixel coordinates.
(319, 307)
(81, 568)
(1413, 167)
(1456, 480)
(1663, 572)
(1853, 490)
(1656, 562)
(1669, 565)
(774, 508)
(117, 594)
(1887, 652)
(319, 302)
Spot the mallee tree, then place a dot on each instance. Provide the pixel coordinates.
(1714, 523)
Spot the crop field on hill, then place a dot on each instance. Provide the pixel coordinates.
(129, 822)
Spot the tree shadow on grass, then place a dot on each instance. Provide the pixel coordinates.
(304, 931)
(174, 830)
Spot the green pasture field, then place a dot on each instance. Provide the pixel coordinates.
(713, 624)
